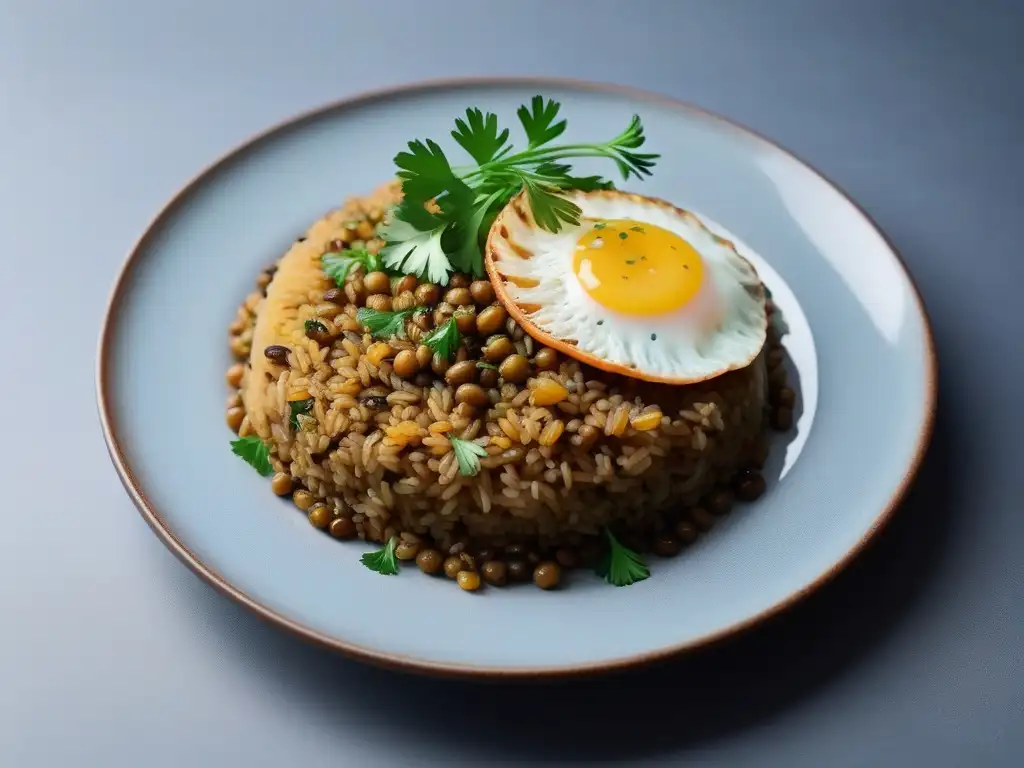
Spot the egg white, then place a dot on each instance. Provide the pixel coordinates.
(722, 328)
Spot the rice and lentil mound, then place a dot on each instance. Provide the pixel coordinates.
(359, 428)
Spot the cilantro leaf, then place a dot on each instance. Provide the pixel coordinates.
(621, 566)
(468, 455)
(488, 366)
(539, 121)
(255, 452)
(297, 408)
(385, 325)
(414, 251)
(337, 264)
(445, 339)
(382, 561)
(478, 135)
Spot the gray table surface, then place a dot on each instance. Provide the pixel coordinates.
(112, 654)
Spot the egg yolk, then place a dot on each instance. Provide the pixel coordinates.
(636, 268)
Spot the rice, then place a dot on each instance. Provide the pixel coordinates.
(375, 446)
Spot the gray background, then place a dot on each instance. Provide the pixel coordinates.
(113, 654)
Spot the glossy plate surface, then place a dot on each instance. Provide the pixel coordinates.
(858, 341)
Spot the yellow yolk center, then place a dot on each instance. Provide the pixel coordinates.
(636, 268)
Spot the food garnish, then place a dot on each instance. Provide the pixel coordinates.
(385, 325)
(314, 326)
(445, 339)
(621, 566)
(338, 263)
(468, 455)
(463, 202)
(298, 408)
(383, 560)
(485, 364)
(255, 452)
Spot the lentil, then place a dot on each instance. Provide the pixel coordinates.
(469, 580)
(281, 484)
(428, 294)
(703, 519)
(453, 565)
(235, 374)
(439, 364)
(461, 373)
(342, 528)
(491, 319)
(406, 284)
(465, 320)
(470, 394)
(381, 302)
(498, 348)
(406, 363)
(407, 550)
(488, 378)
(666, 545)
(547, 575)
(567, 558)
(750, 486)
(482, 291)
(459, 280)
(720, 502)
(275, 353)
(303, 499)
(335, 296)
(782, 419)
(518, 570)
(686, 531)
(377, 282)
(430, 561)
(546, 359)
(495, 572)
(514, 368)
(319, 516)
(234, 418)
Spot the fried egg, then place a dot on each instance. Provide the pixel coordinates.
(638, 287)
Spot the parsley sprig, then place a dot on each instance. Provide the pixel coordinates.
(444, 339)
(337, 264)
(385, 325)
(621, 566)
(254, 452)
(383, 560)
(433, 243)
(468, 455)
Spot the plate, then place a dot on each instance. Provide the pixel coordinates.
(858, 342)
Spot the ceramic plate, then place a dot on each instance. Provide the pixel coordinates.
(858, 343)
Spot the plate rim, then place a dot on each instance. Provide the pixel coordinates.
(405, 663)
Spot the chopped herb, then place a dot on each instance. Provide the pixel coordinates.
(488, 366)
(654, 337)
(637, 229)
(621, 566)
(623, 235)
(298, 407)
(433, 243)
(306, 423)
(600, 322)
(686, 266)
(444, 340)
(300, 239)
(599, 225)
(385, 325)
(338, 263)
(631, 261)
(468, 455)
(383, 560)
(314, 326)
(672, 247)
(625, 278)
(643, 258)
(255, 452)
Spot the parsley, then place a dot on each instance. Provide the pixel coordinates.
(255, 452)
(468, 455)
(631, 261)
(488, 366)
(385, 325)
(623, 235)
(433, 243)
(445, 339)
(621, 566)
(599, 225)
(338, 263)
(298, 408)
(637, 229)
(383, 560)
(314, 326)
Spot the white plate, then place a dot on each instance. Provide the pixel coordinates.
(859, 341)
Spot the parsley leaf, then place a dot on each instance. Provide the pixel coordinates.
(445, 339)
(382, 561)
(255, 452)
(314, 326)
(488, 366)
(385, 325)
(468, 455)
(338, 263)
(478, 135)
(621, 566)
(539, 121)
(414, 251)
(297, 408)
(549, 209)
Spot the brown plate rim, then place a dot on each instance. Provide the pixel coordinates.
(398, 662)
